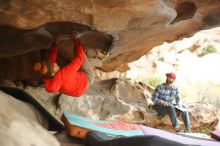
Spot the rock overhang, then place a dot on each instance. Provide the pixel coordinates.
(125, 29)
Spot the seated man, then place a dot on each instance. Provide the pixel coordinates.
(74, 78)
(163, 97)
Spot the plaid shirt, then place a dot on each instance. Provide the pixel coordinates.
(162, 93)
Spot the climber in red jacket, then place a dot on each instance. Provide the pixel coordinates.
(74, 78)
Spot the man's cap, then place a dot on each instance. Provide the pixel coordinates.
(44, 68)
(171, 75)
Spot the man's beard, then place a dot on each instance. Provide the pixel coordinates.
(169, 81)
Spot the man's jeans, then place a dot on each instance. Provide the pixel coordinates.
(171, 111)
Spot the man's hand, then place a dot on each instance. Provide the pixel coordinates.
(74, 36)
(75, 39)
(177, 104)
(57, 40)
(77, 35)
(165, 103)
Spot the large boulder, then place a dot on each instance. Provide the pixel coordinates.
(19, 125)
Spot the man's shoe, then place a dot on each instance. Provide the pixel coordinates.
(177, 129)
(188, 130)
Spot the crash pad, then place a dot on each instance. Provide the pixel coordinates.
(79, 126)
(124, 132)
(216, 134)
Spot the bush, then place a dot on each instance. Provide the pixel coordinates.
(153, 81)
(150, 79)
(184, 92)
(207, 93)
(208, 49)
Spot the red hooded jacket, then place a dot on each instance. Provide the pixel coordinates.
(68, 80)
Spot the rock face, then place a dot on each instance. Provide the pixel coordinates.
(19, 124)
(25, 109)
(125, 29)
(122, 100)
(207, 116)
